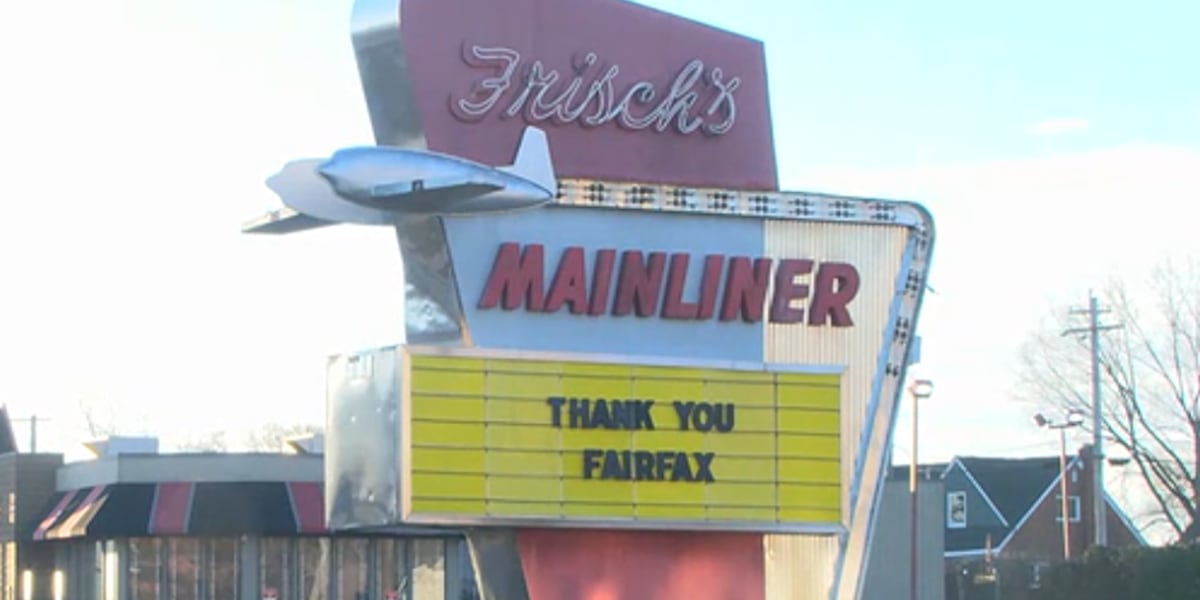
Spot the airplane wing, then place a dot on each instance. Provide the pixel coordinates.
(284, 220)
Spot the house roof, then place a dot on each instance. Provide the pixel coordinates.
(926, 470)
(1013, 484)
(8, 441)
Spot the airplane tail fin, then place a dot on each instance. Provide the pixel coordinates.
(533, 160)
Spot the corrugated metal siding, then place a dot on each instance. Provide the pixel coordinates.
(799, 567)
(877, 252)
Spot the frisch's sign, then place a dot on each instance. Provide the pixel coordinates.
(698, 99)
(617, 103)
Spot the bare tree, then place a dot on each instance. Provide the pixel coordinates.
(1151, 384)
(208, 442)
(272, 436)
(99, 418)
(269, 438)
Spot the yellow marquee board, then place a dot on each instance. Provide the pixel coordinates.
(495, 438)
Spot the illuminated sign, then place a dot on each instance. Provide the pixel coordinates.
(645, 282)
(496, 437)
(625, 92)
(698, 99)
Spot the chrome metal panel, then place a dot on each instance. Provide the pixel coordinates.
(383, 70)
(433, 308)
(283, 220)
(433, 311)
(497, 562)
(363, 440)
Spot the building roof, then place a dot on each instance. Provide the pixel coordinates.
(1012, 484)
(8, 441)
(269, 508)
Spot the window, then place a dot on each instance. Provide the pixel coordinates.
(58, 585)
(12, 508)
(1072, 506)
(111, 572)
(394, 568)
(429, 568)
(221, 572)
(314, 568)
(956, 510)
(184, 575)
(352, 571)
(144, 556)
(6, 576)
(276, 568)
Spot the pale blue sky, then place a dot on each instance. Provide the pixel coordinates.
(1055, 142)
(889, 84)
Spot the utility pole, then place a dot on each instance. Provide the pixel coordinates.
(1093, 329)
(33, 421)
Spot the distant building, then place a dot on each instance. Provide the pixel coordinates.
(999, 508)
(1016, 503)
(888, 572)
(133, 524)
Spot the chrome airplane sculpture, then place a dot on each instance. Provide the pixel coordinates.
(379, 185)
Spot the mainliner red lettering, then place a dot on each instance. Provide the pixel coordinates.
(674, 306)
(570, 283)
(786, 290)
(650, 284)
(639, 283)
(601, 281)
(709, 284)
(516, 274)
(746, 289)
(837, 284)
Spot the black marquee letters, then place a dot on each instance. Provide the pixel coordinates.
(637, 415)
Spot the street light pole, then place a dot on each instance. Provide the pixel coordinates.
(1074, 419)
(918, 391)
(1062, 486)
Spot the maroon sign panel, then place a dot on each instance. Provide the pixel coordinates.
(624, 92)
